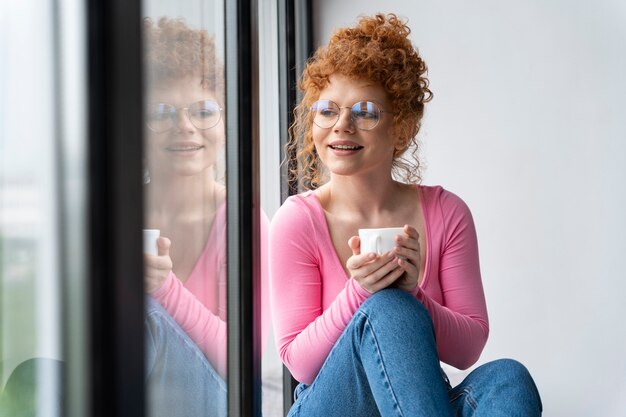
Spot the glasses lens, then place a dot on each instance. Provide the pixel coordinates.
(204, 114)
(325, 113)
(160, 116)
(365, 115)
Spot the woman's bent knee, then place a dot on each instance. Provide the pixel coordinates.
(515, 378)
(393, 299)
(396, 308)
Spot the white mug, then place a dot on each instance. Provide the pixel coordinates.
(379, 240)
(150, 237)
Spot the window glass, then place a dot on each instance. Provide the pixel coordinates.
(185, 208)
(270, 155)
(30, 298)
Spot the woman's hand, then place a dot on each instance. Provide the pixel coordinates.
(408, 258)
(157, 268)
(371, 271)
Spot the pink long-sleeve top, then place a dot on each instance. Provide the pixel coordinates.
(313, 299)
(199, 305)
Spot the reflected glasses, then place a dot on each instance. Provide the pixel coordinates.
(365, 114)
(203, 114)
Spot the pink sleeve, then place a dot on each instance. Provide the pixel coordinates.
(206, 329)
(304, 333)
(461, 323)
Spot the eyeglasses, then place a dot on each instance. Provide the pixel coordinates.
(365, 114)
(203, 114)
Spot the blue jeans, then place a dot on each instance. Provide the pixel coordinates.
(385, 364)
(180, 381)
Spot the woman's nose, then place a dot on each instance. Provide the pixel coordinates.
(183, 122)
(344, 121)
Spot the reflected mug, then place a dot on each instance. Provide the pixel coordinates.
(150, 237)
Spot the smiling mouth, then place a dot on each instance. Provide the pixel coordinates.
(186, 148)
(346, 147)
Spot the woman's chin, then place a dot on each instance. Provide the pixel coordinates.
(183, 171)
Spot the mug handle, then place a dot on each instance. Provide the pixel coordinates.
(377, 243)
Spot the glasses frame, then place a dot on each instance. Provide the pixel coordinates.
(380, 111)
(175, 114)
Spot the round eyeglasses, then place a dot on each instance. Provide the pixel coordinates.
(203, 114)
(365, 114)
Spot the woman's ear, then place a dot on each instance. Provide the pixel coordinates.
(404, 132)
(401, 142)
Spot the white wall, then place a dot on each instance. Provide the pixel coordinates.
(528, 126)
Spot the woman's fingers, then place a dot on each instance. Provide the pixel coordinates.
(409, 258)
(158, 262)
(164, 244)
(408, 267)
(360, 261)
(399, 266)
(387, 280)
(379, 273)
(410, 238)
(355, 244)
(157, 268)
(368, 264)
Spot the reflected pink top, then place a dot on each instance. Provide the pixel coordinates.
(199, 305)
(313, 299)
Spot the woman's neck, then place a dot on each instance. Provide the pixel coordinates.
(365, 196)
(182, 198)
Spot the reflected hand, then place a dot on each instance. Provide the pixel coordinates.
(371, 271)
(409, 258)
(157, 268)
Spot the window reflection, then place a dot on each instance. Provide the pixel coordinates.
(184, 198)
(185, 202)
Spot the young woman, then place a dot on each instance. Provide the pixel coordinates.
(364, 333)
(186, 282)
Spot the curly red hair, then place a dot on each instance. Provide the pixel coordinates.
(174, 51)
(377, 49)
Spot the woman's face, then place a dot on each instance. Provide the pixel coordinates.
(344, 148)
(176, 144)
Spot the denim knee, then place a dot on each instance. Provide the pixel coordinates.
(396, 306)
(510, 369)
(518, 378)
(393, 299)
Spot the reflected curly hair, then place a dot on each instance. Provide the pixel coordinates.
(377, 49)
(174, 51)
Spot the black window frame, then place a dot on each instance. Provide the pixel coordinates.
(115, 208)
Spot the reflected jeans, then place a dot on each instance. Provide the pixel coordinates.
(180, 381)
(385, 364)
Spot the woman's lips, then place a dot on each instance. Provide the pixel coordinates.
(184, 148)
(345, 148)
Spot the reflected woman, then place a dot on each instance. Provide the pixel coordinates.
(186, 282)
(363, 332)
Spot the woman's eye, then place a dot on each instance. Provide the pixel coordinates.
(158, 116)
(364, 115)
(327, 113)
(204, 113)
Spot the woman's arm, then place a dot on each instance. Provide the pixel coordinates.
(305, 333)
(460, 321)
(206, 329)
